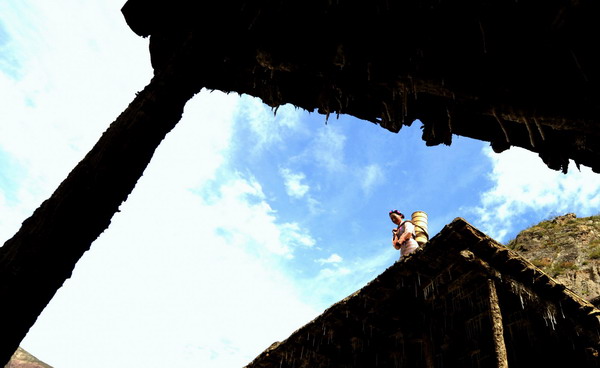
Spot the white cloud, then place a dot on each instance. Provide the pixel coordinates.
(293, 234)
(296, 188)
(179, 279)
(327, 273)
(347, 275)
(294, 185)
(184, 295)
(252, 224)
(12, 214)
(521, 183)
(269, 126)
(314, 206)
(328, 149)
(288, 117)
(371, 176)
(334, 258)
(242, 212)
(67, 87)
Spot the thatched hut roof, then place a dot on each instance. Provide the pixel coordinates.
(435, 309)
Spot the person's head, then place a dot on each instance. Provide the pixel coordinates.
(396, 216)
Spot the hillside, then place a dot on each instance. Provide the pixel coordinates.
(22, 359)
(566, 248)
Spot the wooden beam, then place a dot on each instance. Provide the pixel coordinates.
(38, 259)
(497, 326)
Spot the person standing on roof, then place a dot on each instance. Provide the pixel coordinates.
(403, 236)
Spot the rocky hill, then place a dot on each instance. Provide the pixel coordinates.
(22, 359)
(566, 248)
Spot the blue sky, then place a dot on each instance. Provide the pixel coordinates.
(246, 224)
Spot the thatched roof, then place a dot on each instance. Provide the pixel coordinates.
(514, 73)
(434, 309)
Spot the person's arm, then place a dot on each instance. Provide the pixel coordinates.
(407, 234)
(395, 240)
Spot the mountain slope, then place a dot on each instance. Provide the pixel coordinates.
(566, 248)
(22, 359)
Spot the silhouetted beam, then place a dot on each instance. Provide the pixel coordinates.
(497, 326)
(35, 263)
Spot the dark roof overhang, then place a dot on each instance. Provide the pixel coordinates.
(520, 73)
